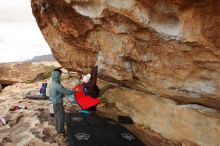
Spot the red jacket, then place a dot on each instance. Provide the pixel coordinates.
(84, 101)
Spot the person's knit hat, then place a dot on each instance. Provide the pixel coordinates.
(58, 69)
(86, 78)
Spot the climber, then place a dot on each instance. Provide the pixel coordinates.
(89, 84)
(56, 94)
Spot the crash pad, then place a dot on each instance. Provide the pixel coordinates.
(92, 130)
(35, 95)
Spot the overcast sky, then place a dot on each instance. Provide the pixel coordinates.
(20, 37)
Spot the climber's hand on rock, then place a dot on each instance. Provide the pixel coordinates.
(96, 63)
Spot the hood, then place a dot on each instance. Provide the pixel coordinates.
(56, 76)
(44, 84)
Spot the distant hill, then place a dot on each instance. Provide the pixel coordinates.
(48, 57)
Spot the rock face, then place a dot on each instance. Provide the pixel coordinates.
(167, 48)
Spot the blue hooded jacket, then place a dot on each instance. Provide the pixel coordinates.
(57, 91)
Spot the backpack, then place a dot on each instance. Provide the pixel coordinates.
(43, 89)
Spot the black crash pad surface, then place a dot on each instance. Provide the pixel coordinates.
(91, 130)
(81, 136)
(76, 119)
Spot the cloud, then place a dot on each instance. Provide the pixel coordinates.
(21, 41)
(15, 11)
(20, 37)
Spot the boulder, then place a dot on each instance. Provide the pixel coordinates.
(24, 72)
(165, 51)
(167, 47)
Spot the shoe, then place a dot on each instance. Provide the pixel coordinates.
(85, 112)
(51, 115)
(65, 138)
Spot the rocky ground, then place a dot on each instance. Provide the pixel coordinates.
(33, 126)
(158, 121)
(30, 127)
